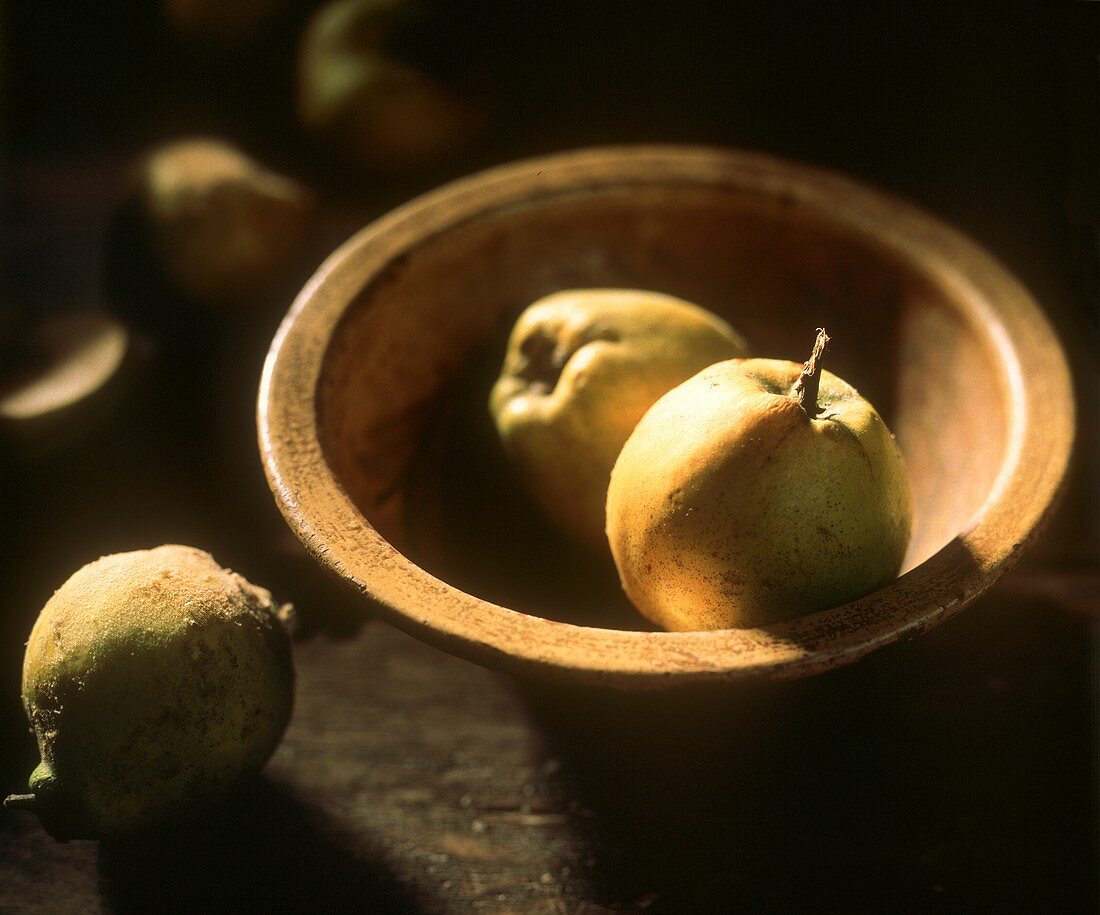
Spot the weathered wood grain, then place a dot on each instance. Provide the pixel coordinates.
(949, 770)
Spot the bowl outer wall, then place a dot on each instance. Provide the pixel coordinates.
(1040, 435)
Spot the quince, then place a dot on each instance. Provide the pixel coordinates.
(582, 367)
(756, 491)
(155, 681)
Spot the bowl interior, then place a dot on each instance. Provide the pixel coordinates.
(403, 387)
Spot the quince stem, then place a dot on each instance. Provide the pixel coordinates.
(20, 801)
(809, 382)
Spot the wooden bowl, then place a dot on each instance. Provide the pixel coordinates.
(377, 444)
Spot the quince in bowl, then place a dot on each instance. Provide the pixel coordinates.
(382, 455)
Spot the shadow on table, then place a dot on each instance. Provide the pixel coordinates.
(267, 851)
(955, 770)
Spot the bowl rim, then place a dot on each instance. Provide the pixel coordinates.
(332, 529)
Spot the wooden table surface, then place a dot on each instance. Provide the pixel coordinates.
(950, 772)
(956, 771)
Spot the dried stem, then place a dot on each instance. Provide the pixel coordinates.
(806, 388)
(21, 801)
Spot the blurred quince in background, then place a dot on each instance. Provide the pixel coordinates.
(223, 228)
(360, 86)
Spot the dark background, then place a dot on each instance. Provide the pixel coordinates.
(958, 771)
